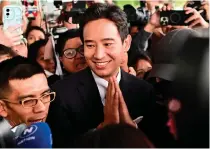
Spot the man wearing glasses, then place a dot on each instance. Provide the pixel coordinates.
(24, 92)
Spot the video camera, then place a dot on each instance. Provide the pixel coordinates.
(76, 12)
(139, 15)
(195, 4)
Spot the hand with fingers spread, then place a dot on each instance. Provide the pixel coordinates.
(10, 37)
(111, 108)
(196, 19)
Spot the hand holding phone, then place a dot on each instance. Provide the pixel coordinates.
(9, 37)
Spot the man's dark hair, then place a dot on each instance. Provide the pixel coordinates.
(72, 33)
(106, 11)
(34, 48)
(31, 28)
(16, 68)
(6, 51)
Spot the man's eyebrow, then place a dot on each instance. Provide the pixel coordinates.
(46, 91)
(108, 39)
(86, 41)
(32, 96)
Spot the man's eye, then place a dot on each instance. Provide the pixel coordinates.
(108, 44)
(90, 46)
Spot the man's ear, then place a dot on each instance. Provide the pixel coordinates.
(3, 109)
(127, 43)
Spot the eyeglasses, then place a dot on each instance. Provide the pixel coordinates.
(29, 103)
(71, 53)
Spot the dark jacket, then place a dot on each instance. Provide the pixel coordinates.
(138, 45)
(78, 107)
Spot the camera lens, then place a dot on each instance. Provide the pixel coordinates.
(7, 14)
(175, 18)
(7, 10)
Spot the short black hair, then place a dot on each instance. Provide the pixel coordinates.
(6, 51)
(16, 68)
(34, 49)
(106, 11)
(72, 33)
(29, 29)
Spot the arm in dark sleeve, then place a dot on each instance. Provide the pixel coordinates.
(140, 40)
(138, 44)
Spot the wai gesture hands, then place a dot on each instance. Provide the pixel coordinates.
(115, 109)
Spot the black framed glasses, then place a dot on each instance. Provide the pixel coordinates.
(71, 53)
(32, 102)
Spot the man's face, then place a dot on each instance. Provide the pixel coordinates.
(33, 87)
(103, 47)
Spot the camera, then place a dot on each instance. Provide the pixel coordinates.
(75, 13)
(174, 17)
(195, 4)
(139, 15)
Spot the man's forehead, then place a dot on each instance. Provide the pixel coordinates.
(101, 28)
(35, 84)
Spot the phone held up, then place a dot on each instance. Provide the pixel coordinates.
(12, 16)
(31, 8)
(174, 17)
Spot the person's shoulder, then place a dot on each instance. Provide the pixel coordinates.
(137, 82)
(70, 81)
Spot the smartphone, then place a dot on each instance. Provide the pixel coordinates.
(174, 17)
(12, 16)
(31, 8)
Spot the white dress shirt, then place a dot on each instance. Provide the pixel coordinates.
(102, 85)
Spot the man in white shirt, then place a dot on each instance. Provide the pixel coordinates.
(102, 94)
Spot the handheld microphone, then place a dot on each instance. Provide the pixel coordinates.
(37, 135)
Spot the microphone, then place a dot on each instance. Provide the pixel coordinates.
(18, 129)
(37, 135)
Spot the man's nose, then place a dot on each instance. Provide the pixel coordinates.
(99, 52)
(40, 107)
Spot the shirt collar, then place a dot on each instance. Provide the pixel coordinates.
(102, 84)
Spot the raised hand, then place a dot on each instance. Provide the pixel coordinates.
(196, 18)
(10, 37)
